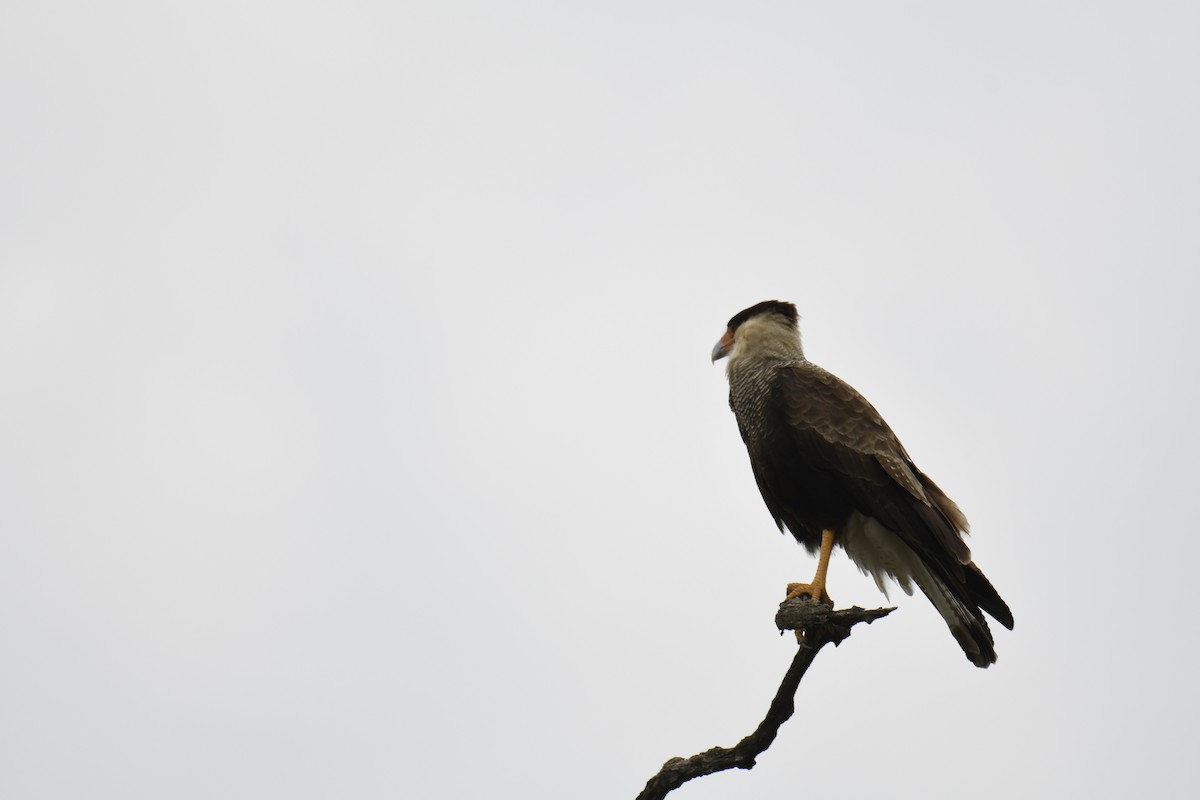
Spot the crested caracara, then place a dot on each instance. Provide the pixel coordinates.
(831, 470)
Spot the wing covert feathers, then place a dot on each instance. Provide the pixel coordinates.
(833, 422)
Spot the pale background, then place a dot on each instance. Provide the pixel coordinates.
(358, 437)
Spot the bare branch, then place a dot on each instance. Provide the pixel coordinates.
(803, 614)
(821, 625)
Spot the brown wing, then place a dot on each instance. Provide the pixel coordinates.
(821, 452)
(835, 428)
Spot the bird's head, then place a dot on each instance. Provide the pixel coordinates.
(769, 329)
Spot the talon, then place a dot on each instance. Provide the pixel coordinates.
(806, 590)
(816, 589)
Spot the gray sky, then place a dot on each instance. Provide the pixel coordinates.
(359, 437)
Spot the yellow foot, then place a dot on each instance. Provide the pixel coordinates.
(806, 590)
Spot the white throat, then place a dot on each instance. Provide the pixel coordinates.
(768, 338)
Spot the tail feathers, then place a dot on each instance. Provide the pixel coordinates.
(882, 554)
(968, 627)
(984, 595)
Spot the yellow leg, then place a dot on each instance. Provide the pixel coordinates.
(816, 589)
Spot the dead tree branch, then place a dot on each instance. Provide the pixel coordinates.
(821, 625)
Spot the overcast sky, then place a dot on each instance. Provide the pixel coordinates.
(358, 436)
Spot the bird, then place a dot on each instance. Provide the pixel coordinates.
(832, 472)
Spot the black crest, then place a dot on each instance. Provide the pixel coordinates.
(785, 310)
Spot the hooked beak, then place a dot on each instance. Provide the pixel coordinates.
(722, 348)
